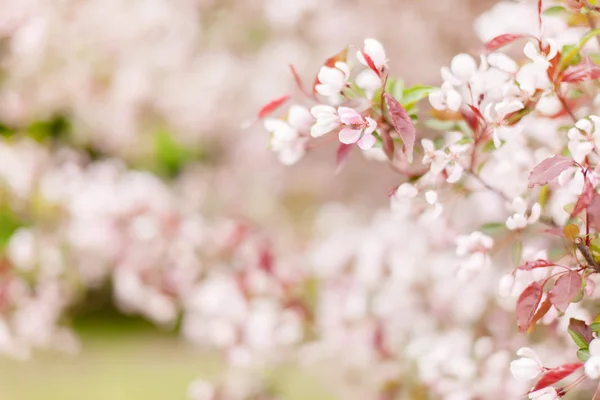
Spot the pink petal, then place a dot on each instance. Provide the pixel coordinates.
(367, 141)
(348, 135)
(349, 116)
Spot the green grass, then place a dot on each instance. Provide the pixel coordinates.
(125, 359)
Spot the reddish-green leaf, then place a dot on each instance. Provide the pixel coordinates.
(585, 199)
(388, 144)
(541, 311)
(529, 265)
(527, 305)
(594, 212)
(403, 125)
(586, 70)
(565, 289)
(555, 375)
(549, 169)
(501, 41)
(370, 63)
(581, 329)
(272, 106)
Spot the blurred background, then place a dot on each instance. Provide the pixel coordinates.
(123, 121)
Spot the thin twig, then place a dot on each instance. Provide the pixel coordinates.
(487, 185)
(590, 6)
(587, 254)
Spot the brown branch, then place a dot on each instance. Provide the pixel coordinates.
(587, 254)
(590, 6)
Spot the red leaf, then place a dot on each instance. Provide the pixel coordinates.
(272, 106)
(582, 329)
(549, 169)
(558, 231)
(541, 311)
(342, 154)
(594, 212)
(470, 118)
(529, 265)
(527, 304)
(585, 199)
(388, 144)
(555, 375)
(297, 79)
(403, 125)
(565, 289)
(330, 62)
(586, 70)
(371, 64)
(501, 41)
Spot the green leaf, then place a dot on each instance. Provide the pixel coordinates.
(416, 93)
(9, 223)
(595, 57)
(171, 156)
(575, 93)
(583, 354)
(578, 339)
(492, 228)
(574, 52)
(440, 125)
(595, 326)
(575, 58)
(517, 252)
(556, 10)
(395, 87)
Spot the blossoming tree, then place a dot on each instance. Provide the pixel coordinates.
(505, 164)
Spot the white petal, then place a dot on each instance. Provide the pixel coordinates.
(428, 145)
(431, 197)
(376, 51)
(585, 125)
(519, 205)
(531, 50)
(342, 66)
(407, 190)
(437, 100)
(529, 353)
(457, 171)
(299, 117)
(371, 126)
(592, 367)
(536, 212)
(502, 62)
(525, 369)
(463, 66)
(323, 111)
(454, 100)
(595, 348)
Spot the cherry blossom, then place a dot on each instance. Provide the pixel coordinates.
(528, 366)
(592, 365)
(496, 114)
(332, 80)
(374, 49)
(519, 219)
(583, 138)
(548, 393)
(446, 98)
(288, 137)
(356, 128)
